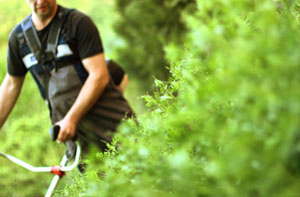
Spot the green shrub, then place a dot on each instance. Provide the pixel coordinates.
(146, 26)
(226, 123)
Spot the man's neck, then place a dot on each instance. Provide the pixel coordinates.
(39, 22)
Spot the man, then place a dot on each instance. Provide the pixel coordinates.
(75, 83)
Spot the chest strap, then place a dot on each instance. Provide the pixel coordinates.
(34, 43)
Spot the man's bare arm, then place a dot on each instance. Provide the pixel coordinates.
(9, 93)
(90, 92)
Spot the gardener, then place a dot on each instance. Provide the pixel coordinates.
(70, 71)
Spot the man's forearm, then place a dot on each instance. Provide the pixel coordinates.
(9, 93)
(93, 87)
(89, 94)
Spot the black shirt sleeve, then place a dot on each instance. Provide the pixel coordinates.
(84, 34)
(15, 65)
(116, 71)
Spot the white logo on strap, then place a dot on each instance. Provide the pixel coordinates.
(29, 60)
(63, 50)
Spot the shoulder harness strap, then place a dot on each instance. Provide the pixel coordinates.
(56, 28)
(33, 40)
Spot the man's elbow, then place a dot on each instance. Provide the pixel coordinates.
(102, 79)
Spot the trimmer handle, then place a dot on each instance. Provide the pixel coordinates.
(53, 131)
(71, 145)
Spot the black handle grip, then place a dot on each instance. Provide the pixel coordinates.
(71, 145)
(53, 131)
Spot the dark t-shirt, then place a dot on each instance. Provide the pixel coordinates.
(116, 71)
(83, 34)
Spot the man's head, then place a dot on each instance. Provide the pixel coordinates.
(43, 9)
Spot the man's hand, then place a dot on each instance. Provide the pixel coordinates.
(67, 130)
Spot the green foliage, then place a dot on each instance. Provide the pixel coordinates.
(9, 17)
(145, 27)
(77, 188)
(226, 123)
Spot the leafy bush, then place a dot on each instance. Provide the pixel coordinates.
(146, 26)
(226, 123)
